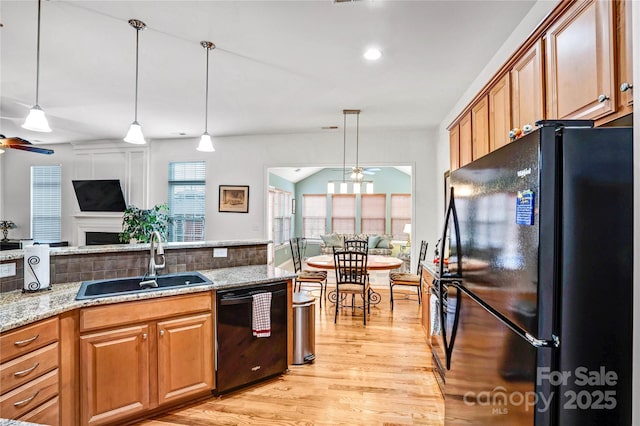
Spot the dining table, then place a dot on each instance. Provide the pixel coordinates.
(374, 263)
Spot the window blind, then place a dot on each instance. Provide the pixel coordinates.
(314, 215)
(373, 213)
(400, 215)
(187, 195)
(46, 205)
(280, 207)
(343, 214)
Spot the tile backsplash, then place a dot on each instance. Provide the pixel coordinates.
(97, 266)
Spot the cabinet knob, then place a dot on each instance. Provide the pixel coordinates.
(144, 336)
(625, 86)
(602, 98)
(162, 332)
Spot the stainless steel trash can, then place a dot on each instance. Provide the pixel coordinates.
(304, 328)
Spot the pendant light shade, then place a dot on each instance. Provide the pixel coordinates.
(205, 144)
(36, 120)
(134, 135)
(331, 188)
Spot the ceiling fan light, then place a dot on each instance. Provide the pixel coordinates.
(36, 120)
(205, 144)
(134, 135)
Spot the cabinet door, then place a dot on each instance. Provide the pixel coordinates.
(480, 128)
(579, 69)
(426, 302)
(499, 113)
(625, 54)
(114, 374)
(527, 88)
(185, 357)
(466, 153)
(454, 147)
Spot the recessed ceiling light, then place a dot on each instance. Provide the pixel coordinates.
(372, 54)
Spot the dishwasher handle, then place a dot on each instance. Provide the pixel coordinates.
(241, 300)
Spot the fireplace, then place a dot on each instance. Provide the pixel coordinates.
(107, 223)
(101, 238)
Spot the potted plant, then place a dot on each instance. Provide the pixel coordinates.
(138, 224)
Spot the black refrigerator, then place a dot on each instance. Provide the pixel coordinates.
(537, 312)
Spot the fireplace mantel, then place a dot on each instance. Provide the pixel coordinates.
(96, 222)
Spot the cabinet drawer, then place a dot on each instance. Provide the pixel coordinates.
(146, 310)
(26, 339)
(19, 371)
(46, 414)
(30, 395)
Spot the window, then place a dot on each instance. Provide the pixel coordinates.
(46, 211)
(373, 213)
(343, 214)
(400, 215)
(280, 215)
(314, 215)
(187, 201)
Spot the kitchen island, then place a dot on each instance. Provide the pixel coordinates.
(163, 339)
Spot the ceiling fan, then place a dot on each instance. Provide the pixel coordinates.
(22, 144)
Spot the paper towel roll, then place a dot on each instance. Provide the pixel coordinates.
(36, 267)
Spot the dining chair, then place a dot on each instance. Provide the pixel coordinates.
(356, 244)
(408, 279)
(306, 276)
(352, 279)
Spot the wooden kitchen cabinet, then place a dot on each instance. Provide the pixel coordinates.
(454, 147)
(625, 55)
(138, 356)
(527, 89)
(29, 372)
(115, 374)
(185, 364)
(480, 128)
(499, 113)
(580, 71)
(466, 151)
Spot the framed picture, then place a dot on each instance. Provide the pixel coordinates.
(234, 199)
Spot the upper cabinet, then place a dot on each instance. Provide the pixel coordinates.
(527, 90)
(466, 153)
(499, 113)
(480, 128)
(454, 147)
(580, 62)
(625, 55)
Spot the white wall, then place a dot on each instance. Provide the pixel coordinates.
(241, 160)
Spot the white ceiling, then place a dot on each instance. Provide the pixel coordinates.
(279, 66)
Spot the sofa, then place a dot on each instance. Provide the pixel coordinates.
(378, 244)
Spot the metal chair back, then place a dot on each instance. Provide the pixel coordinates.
(360, 245)
(350, 267)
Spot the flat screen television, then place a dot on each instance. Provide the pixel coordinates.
(99, 195)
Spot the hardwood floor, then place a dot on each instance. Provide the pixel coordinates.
(374, 375)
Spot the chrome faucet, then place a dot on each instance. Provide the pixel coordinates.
(150, 276)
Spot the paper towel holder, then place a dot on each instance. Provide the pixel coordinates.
(35, 280)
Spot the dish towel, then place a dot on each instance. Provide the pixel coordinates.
(261, 315)
(435, 315)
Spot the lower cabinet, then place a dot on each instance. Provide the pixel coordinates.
(129, 370)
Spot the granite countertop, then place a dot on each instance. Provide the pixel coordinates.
(6, 422)
(18, 309)
(115, 248)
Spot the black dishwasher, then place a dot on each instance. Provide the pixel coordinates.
(243, 358)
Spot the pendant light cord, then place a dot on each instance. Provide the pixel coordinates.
(357, 137)
(344, 147)
(206, 95)
(38, 55)
(135, 114)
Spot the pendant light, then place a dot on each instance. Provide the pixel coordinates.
(205, 144)
(36, 120)
(331, 186)
(134, 135)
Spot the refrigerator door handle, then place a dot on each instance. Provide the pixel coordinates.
(554, 342)
(540, 343)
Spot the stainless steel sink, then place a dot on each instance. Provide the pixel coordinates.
(120, 286)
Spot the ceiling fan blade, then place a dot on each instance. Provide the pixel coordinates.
(23, 145)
